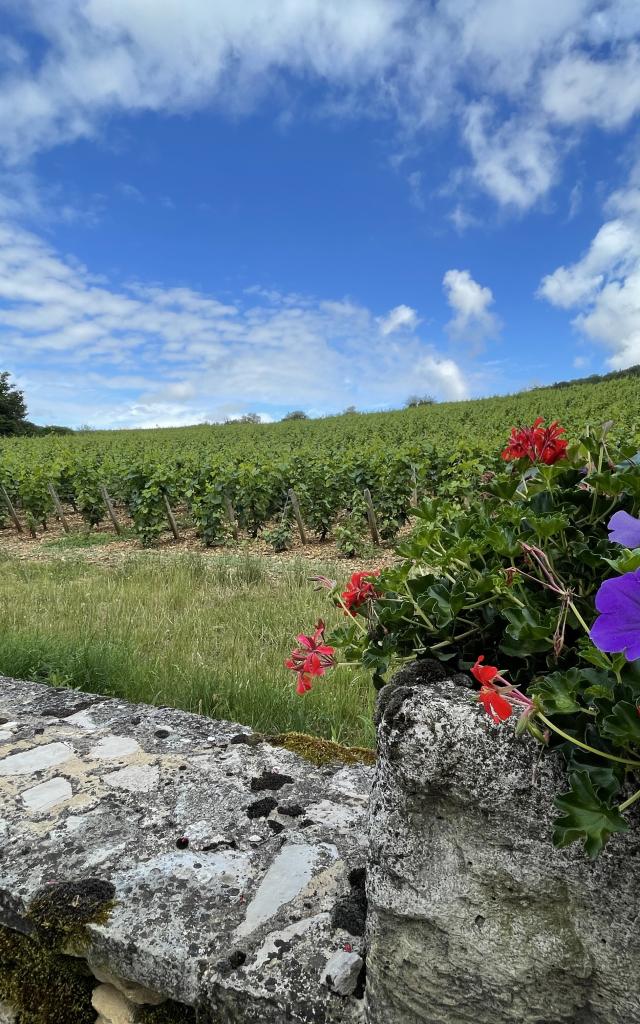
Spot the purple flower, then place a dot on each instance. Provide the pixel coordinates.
(624, 529)
(617, 627)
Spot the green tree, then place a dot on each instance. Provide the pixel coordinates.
(13, 411)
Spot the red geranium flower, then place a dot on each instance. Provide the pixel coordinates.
(483, 673)
(312, 658)
(359, 590)
(537, 443)
(491, 699)
(496, 706)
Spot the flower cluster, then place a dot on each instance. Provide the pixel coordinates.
(493, 697)
(359, 590)
(312, 658)
(537, 443)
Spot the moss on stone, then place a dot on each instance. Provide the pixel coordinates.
(319, 751)
(166, 1013)
(62, 910)
(37, 978)
(44, 986)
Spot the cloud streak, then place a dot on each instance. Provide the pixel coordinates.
(172, 355)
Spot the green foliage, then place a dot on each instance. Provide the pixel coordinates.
(509, 568)
(13, 411)
(279, 535)
(441, 450)
(589, 814)
(350, 540)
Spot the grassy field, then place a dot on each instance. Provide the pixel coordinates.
(206, 635)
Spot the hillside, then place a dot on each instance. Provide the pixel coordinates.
(399, 456)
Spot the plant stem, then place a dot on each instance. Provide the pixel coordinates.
(631, 800)
(579, 618)
(354, 618)
(585, 746)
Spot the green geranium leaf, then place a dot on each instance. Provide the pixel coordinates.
(547, 526)
(558, 692)
(622, 725)
(591, 654)
(587, 815)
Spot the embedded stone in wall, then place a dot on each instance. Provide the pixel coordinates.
(473, 916)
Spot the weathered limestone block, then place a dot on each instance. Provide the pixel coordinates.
(474, 918)
(233, 863)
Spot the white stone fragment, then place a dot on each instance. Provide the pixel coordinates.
(288, 874)
(342, 971)
(137, 778)
(4, 736)
(36, 759)
(83, 720)
(112, 1005)
(114, 746)
(47, 794)
(135, 993)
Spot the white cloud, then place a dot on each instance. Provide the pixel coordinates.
(579, 89)
(516, 161)
(473, 321)
(539, 68)
(604, 284)
(397, 318)
(462, 219)
(174, 355)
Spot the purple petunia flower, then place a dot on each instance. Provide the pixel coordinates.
(617, 627)
(624, 529)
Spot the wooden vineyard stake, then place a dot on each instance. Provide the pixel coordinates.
(110, 509)
(58, 507)
(12, 511)
(371, 516)
(293, 498)
(231, 516)
(171, 518)
(414, 493)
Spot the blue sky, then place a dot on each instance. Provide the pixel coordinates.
(209, 208)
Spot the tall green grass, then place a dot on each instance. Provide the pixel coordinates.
(202, 634)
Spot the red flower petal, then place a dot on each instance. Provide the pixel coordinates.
(496, 706)
(483, 673)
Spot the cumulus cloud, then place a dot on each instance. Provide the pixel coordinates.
(604, 284)
(539, 66)
(472, 321)
(166, 355)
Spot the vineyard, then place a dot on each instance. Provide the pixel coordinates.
(344, 476)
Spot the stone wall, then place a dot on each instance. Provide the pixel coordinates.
(154, 857)
(161, 868)
(474, 918)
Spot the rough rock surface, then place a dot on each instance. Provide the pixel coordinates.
(215, 907)
(473, 916)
